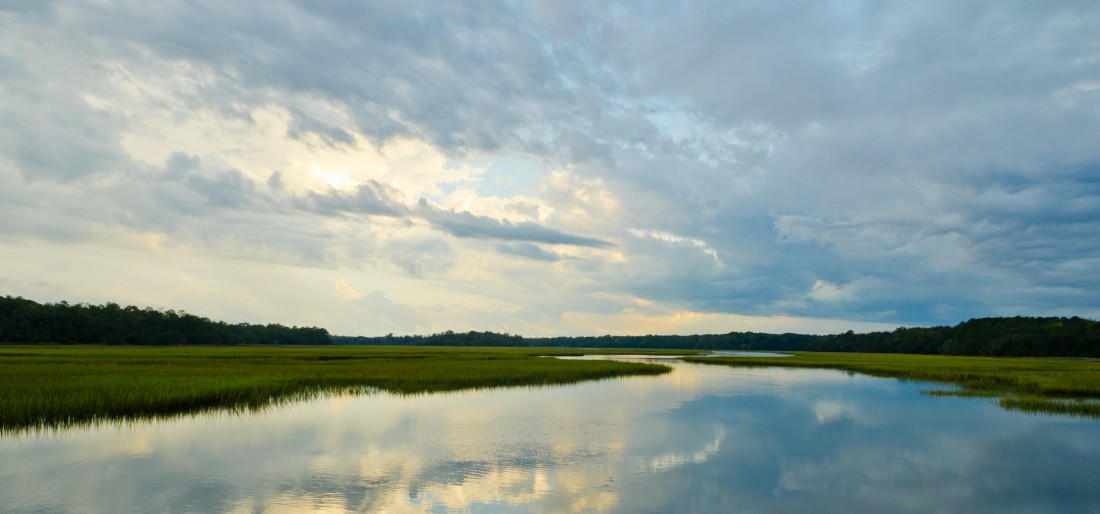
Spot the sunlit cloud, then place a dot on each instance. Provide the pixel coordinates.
(343, 290)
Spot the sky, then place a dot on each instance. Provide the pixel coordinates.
(554, 168)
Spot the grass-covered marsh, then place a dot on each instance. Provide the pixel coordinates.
(44, 386)
(1049, 386)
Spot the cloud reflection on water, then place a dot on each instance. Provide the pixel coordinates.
(703, 439)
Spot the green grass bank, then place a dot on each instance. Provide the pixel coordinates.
(1048, 386)
(44, 386)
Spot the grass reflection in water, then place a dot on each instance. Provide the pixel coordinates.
(55, 387)
(1041, 386)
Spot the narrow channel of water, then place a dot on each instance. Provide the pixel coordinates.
(727, 353)
(701, 439)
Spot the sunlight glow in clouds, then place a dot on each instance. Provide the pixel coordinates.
(554, 168)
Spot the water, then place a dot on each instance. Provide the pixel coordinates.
(702, 439)
(726, 353)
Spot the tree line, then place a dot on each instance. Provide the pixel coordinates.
(996, 337)
(448, 338)
(733, 340)
(26, 321)
(1002, 337)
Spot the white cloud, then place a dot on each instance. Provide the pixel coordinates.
(823, 291)
(343, 290)
(673, 238)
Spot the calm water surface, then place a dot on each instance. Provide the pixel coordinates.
(702, 439)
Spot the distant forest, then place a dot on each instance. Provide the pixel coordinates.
(26, 321)
(1002, 337)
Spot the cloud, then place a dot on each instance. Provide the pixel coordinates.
(370, 198)
(49, 131)
(528, 251)
(938, 159)
(389, 316)
(675, 239)
(464, 224)
(343, 290)
(823, 291)
(420, 255)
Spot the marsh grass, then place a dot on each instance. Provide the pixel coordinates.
(1042, 386)
(52, 387)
